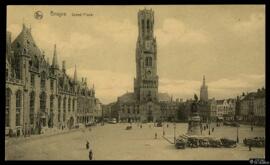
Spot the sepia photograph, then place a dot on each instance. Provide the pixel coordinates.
(135, 82)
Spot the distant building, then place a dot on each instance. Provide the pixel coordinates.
(252, 107)
(204, 91)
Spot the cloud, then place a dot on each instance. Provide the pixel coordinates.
(108, 85)
(175, 31)
(254, 24)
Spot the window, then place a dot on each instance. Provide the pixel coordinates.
(17, 69)
(73, 105)
(148, 61)
(59, 109)
(69, 102)
(18, 107)
(43, 80)
(43, 102)
(8, 97)
(51, 111)
(51, 104)
(52, 85)
(64, 109)
(32, 107)
(148, 25)
(32, 80)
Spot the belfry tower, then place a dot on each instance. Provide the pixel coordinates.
(146, 81)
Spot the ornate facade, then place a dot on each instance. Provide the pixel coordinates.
(40, 94)
(145, 103)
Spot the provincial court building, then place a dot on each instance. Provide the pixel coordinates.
(40, 94)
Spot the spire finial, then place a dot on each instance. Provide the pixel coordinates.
(54, 61)
(75, 74)
(203, 79)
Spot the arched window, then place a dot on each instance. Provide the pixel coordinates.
(148, 61)
(8, 97)
(32, 107)
(73, 105)
(43, 80)
(59, 109)
(69, 102)
(51, 103)
(17, 69)
(142, 26)
(43, 102)
(148, 25)
(51, 111)
(64, 109)
(18, 107)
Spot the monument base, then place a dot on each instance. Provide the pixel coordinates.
(194, 126)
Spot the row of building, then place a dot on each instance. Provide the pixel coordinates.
(42, 95)
(146, 104)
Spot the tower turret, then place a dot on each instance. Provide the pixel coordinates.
(75, 75)
(54, 60)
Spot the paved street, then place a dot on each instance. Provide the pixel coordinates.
(113, 142)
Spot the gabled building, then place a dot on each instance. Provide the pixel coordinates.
(40, 94)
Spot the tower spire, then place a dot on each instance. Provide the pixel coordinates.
(75, 74)
(54, 61)
(203, 80)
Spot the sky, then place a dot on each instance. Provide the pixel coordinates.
(226, 43)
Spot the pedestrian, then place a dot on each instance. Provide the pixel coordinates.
(249, 146)
(213, 129)
(141, 126)
(167, 125)
(163, 133)
(90, 155)
(87, 145)
(155, 135)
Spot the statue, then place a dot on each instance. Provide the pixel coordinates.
(195, 120)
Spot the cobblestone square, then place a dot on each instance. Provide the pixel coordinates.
(113, 142)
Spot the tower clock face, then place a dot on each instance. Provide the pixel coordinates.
(148, 45)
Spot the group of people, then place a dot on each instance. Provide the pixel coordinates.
(203, 128)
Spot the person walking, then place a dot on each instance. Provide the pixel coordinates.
(155, 135)
(90, 155)
(213, 129)
(87, 145)
(249, 146)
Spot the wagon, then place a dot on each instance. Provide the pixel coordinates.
(229, 143)
(255, 142)
(180, 143)
(193, 142)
